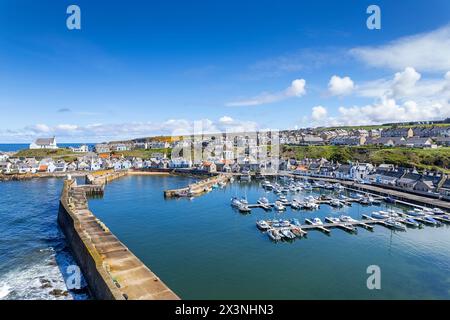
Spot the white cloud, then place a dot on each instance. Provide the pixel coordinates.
(296, 89)
(319, 113)
(425, 52)
(340, 86)
(405, 97)
(226, 119)
(107, 132)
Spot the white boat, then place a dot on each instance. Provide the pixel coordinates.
(310, 205)
(235, 202)
(334, 220)
(266, 185)
(437, 211)
(287, 233)
(336, 203)
(380, 215)
(347, 219)
(274, 235)
(338, 186)
(416, 213)
(263, 200)
(295, 204)
(283, 199)
(392, 223)
(317, 222)
(244, 200)
(244, 208)
(262, 224)
(279, 206)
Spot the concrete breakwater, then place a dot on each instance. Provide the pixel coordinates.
(197, 188)
(110, 269)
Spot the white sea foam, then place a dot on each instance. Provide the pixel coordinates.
(36, 282)
(4, 291)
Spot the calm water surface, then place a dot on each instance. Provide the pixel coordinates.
(203, 249)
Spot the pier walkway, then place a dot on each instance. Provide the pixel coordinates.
(111, 270)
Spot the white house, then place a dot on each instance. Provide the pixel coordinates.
(80, 149)
(3, 156)
(44, 143)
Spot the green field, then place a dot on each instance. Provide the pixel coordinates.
(143, 153)
(61, 153)
(436, 159)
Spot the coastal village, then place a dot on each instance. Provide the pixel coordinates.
(223, 157)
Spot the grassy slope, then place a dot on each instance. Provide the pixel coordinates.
(62, 153)
(407, 157)
(144, 154)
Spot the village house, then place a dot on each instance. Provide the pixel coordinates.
(361, 171)
(209, 167)
(428, 183)
(444, 190)
(348, 141)
(442, 141)
(3, 156)
(81, 149)
(44, 143)
(398, 132)
(102, 148)
(417, 142)
(408, 180)
(5, 167)
(344, 171)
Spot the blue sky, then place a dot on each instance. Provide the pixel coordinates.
(141, 68)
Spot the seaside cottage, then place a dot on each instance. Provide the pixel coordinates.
(5, 167)
(408, 180)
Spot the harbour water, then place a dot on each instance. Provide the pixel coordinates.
(203, 249)
(33, 254)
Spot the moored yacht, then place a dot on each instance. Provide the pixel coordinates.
(262, 224)
(279, 206)
(274, 234)
(394, 224)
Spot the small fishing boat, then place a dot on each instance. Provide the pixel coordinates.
(410, 222)
(394, 224)
(297, 231)
(295, 204)
(336, 203)
(244, 208)
(430, 220)
(235, 202)
(310, 205)
(287, 233)
(283, 199)
(390, 199)
(380, 215)
(274, 235)
(316, 222)
(262, 224)
(437, 211)
(279, 206)
(347, 219)
(416, 213)
(267, 185)
(333, 220)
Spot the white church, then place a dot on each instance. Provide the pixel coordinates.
(44, 143)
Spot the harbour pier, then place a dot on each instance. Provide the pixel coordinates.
(111, 270)
(198, 188)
